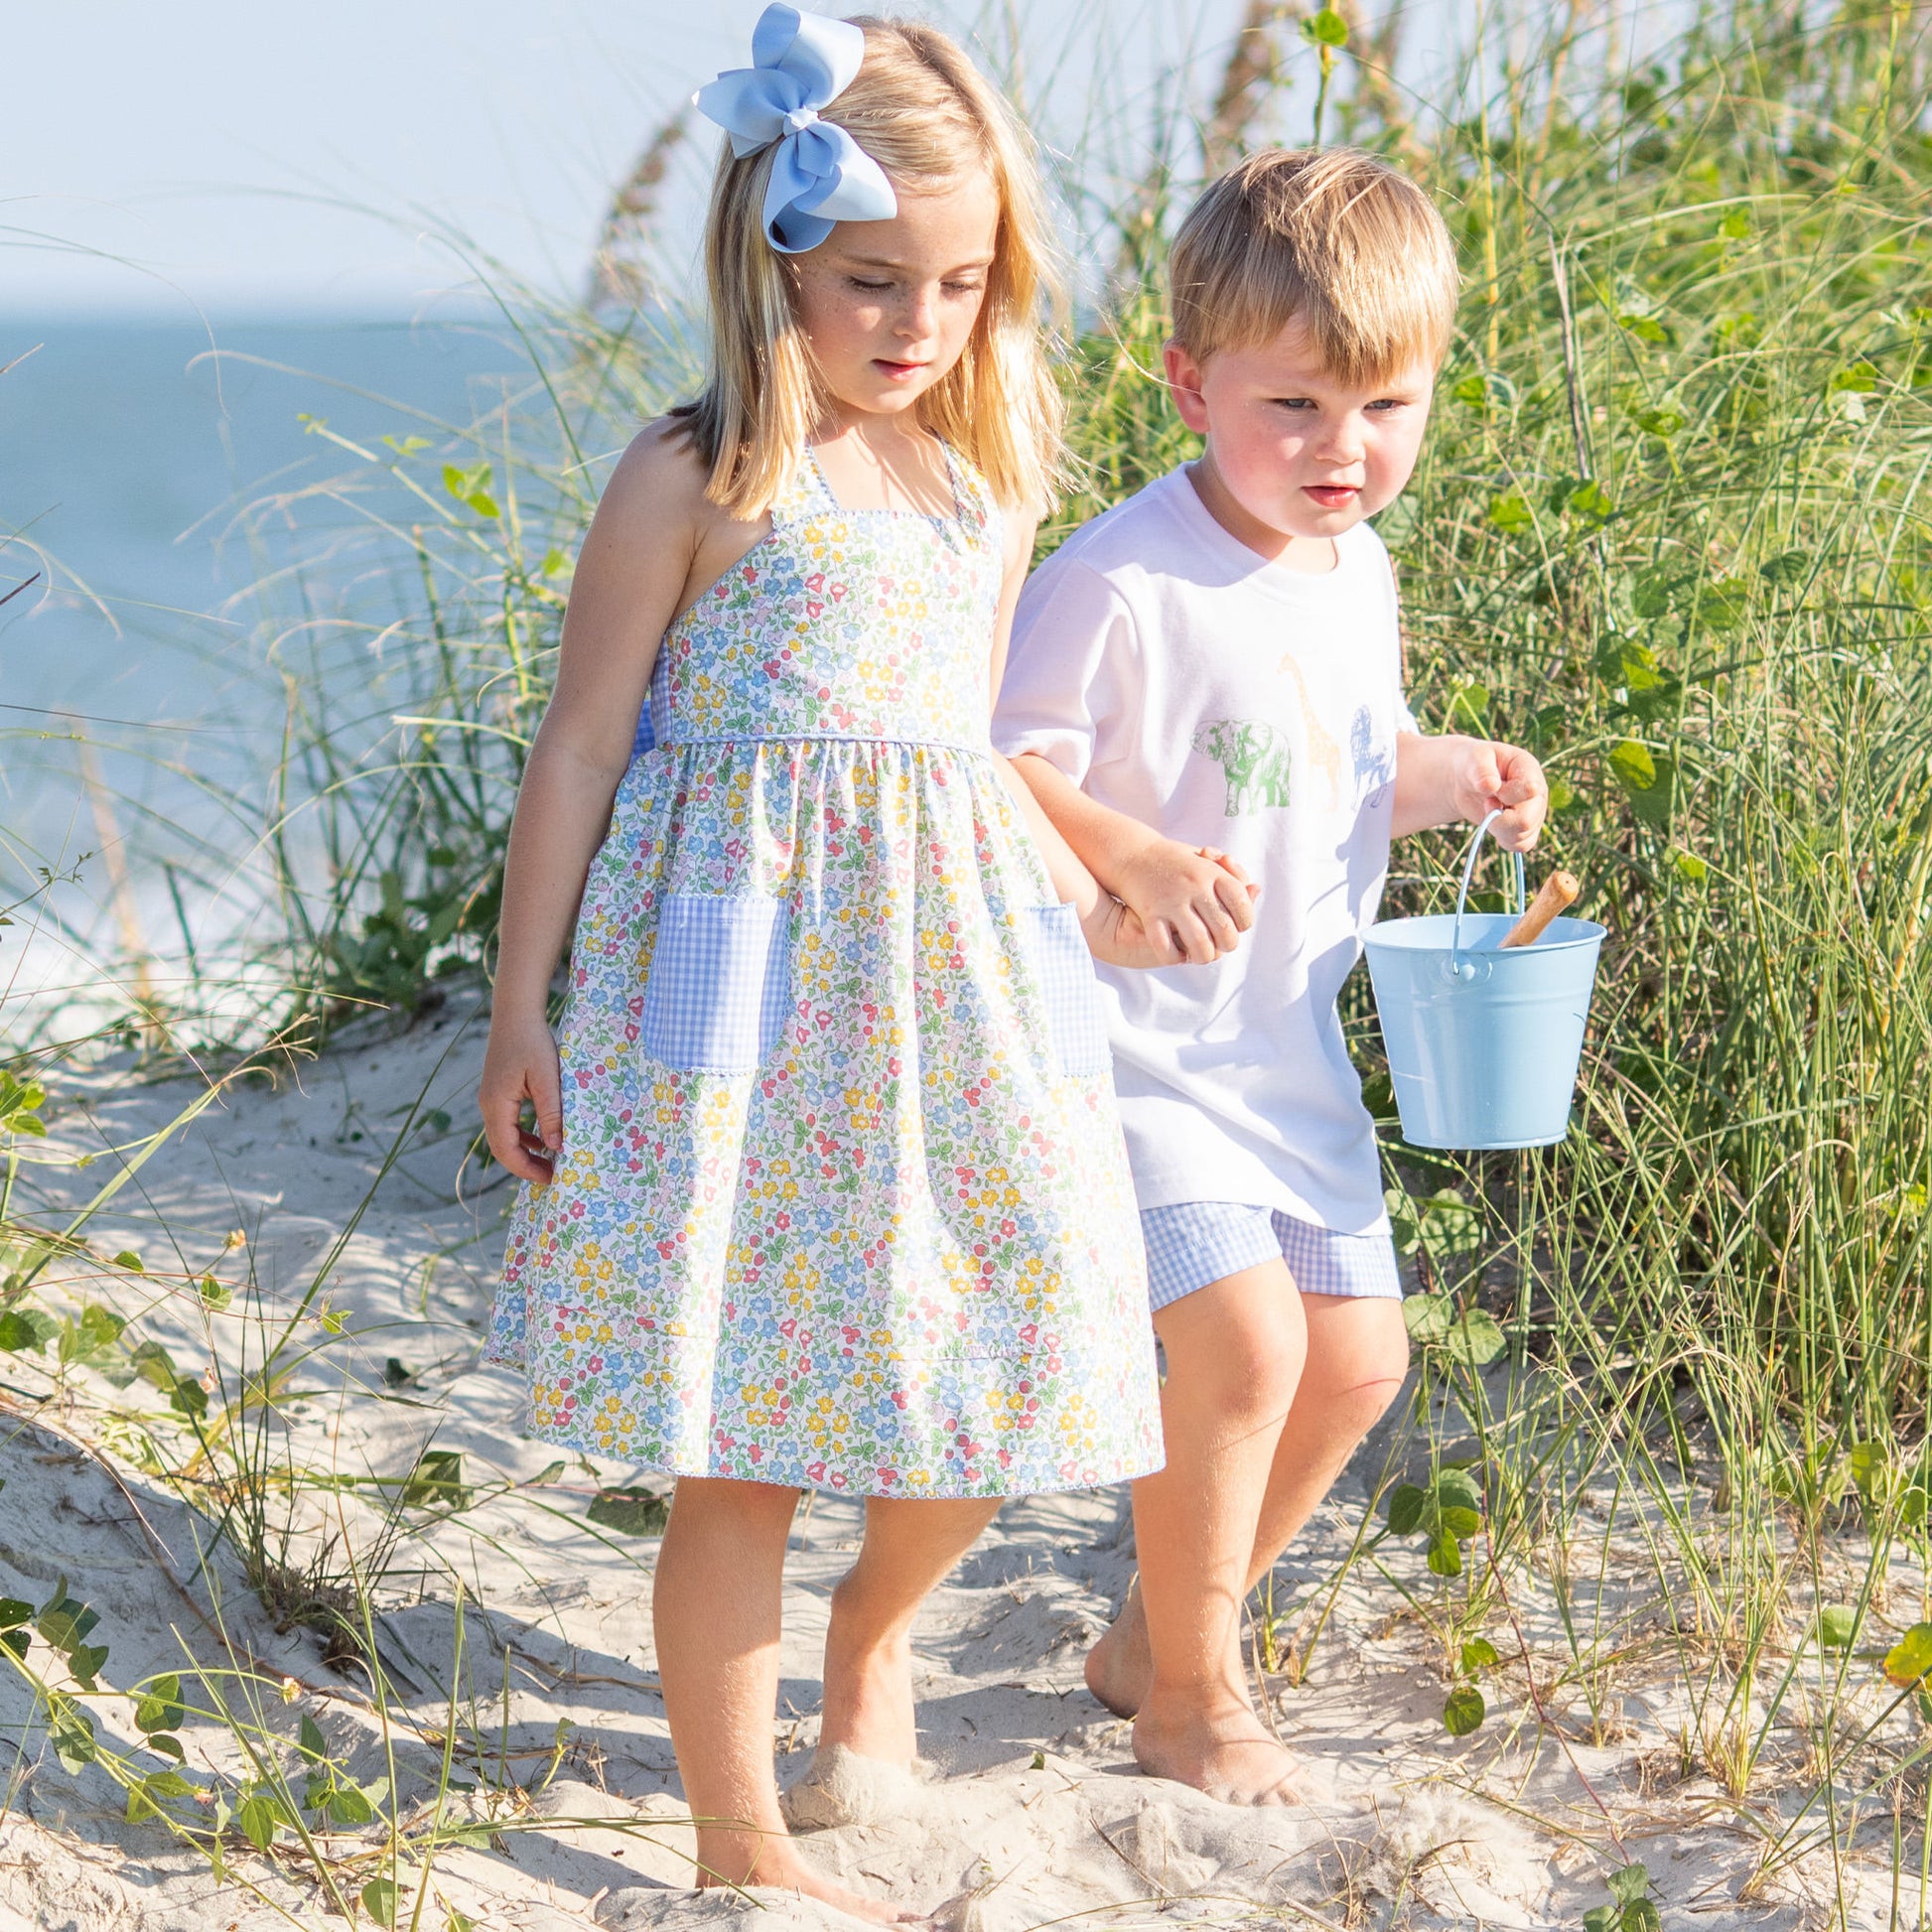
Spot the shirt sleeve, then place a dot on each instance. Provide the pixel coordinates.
(1073, 681)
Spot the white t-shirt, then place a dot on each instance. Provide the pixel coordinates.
(1223, 700)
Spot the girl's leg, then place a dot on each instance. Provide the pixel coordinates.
(715, 1610)
(910, 1547)
(1234, 1354)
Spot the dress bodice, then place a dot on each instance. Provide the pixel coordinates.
(842, 623)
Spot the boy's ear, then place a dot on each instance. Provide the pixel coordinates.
(1184, 384)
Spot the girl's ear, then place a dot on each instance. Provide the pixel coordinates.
(1184, 385)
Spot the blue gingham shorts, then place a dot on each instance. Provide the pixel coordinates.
(1196, 1242)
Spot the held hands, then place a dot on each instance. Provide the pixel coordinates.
(519, 1065)
(1188, 904)
(1115, 935)
(1484, 777)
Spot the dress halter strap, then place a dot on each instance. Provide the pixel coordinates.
(809, 493)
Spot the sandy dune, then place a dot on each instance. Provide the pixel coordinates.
(530, 1624)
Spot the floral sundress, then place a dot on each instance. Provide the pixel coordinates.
(843, 1201)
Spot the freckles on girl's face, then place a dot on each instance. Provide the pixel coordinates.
(888, 306)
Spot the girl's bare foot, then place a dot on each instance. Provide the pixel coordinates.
(1224, 1751)
(1120, 1666)
(867, 1702)
(771, 1860)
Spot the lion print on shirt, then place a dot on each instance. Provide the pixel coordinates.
(1254, 759)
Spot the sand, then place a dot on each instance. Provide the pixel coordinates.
(1031, 1812)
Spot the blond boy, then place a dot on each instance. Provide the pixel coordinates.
(1204, 693)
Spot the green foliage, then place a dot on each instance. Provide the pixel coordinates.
(437, 1483)
(21, 1102)
(1909, 1661)
(66, 1624)
(27, 1330)
(1467, 1335)
(1631, 1907)
(632, 1512)
(1838, 1625)
(1448, 1510)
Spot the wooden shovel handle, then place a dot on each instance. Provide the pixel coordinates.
(1556, 892)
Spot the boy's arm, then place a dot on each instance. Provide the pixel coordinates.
(1112, 932)
(1193, 901)
(1440, 780)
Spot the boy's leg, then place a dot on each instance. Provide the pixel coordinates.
(1234, 1352)
(1357, 1357)
(909, 1549)
(715, 1610)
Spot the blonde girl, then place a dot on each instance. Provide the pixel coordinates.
(826, 1186)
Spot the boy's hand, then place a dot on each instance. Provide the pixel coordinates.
(1485, 777)
(1192, 901)
(519, 1065)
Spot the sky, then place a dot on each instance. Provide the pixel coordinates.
(223, 155)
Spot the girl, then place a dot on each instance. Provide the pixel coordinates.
(830, 1190)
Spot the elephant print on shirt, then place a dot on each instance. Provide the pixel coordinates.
(1254, 759)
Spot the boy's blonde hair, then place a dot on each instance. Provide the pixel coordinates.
(925, 113)
(1332, 238)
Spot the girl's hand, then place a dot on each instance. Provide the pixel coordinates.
(1493, 778)
(1192, 901)
(520, 1064)
(1114, 934)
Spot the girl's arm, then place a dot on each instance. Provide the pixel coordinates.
(1442, 779)
(1113, 932)
(631, 577)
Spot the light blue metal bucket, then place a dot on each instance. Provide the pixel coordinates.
(1482, 1042)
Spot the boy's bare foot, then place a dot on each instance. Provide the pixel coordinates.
(1120, 1666)
(867, 1702)
(1228, 1753)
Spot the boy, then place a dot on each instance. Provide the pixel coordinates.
(1204, 693)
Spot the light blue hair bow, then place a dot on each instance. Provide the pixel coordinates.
(820, 175)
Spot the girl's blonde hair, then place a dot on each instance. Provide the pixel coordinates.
(923, 112)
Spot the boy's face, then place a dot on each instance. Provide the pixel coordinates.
(1290, 448)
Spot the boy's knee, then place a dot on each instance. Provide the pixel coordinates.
(1251, 1366)
(1355, 1374)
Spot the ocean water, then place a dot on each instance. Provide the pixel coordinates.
(138, 697)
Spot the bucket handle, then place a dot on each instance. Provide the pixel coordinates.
(1457, 966)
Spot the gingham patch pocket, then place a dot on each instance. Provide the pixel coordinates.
(719, 988)
(1076, 1022)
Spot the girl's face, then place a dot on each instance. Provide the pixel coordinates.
(889, 306)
